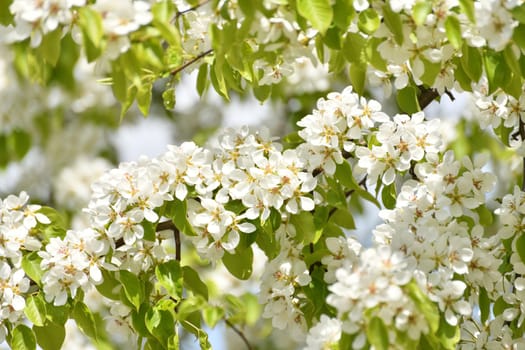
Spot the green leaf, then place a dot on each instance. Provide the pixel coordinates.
(161, 324)
(262, 92)
(169, 276)
(57, 314)
(377, 334)
(484, 305)
(239, 264)
(176, 211)
(368, 21)
(168, 98)
(353, 48)
(343, 218)
(519, 36)
(332, 38)
(420, 11)
(394, 23)
(520, 246)
(485, 215)
(35, 310)
(453, 30)
(388, 196)
(144, 98)
(51, 336)
(20, 143)
(448, 335)
(212, 315)
(512, 61)
(429, 310)
(202, 79)
(50, 46)
(85, 320)
(31, 266)
(304, 226)
(5, 15)
(343, 13)
(496, 70)
(193, 282)
(430, 72)
(518, 13)
(467, 7)
(318, 12)
(110, 286)
(133, 288)
(472, 62)
(358, 77)
(407, 100)
(22, 338)
(90, 22)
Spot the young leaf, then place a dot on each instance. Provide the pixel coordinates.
(420, 11)
(31, 266)
(318, 12)
(169, 276)
(35, 310)
(23, 338)
(407, 100)
(85, 320)
(193, 282)
(51, 336)
(358, 77)
(369, 21)
(239, 264)
(90, 22)
(453, 30)
(394, 23)
(133, 288)
(377, 334)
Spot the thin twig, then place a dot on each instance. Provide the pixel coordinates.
(190, 62)
(169, 225)
(180, 13)
(240, 333)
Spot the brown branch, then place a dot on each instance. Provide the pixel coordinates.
(426, 96)
(180, 13)
(190, 62)
(240, 333)
(169, 225)
(161, 226)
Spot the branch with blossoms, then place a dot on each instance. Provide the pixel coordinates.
(436, 259)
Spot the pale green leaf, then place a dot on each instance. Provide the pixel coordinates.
(318, 12)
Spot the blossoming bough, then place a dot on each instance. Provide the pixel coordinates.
(439, 274)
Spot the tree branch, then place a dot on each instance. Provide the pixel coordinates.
(161, 226)
(240, 333)
(169, 225)
(427, 95)
(190, 62)
(180, 13)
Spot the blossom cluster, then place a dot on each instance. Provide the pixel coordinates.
(34, 19)
(375, 285)
(19, 236)
(427, 225)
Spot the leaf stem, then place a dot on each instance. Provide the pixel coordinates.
(240, 333)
